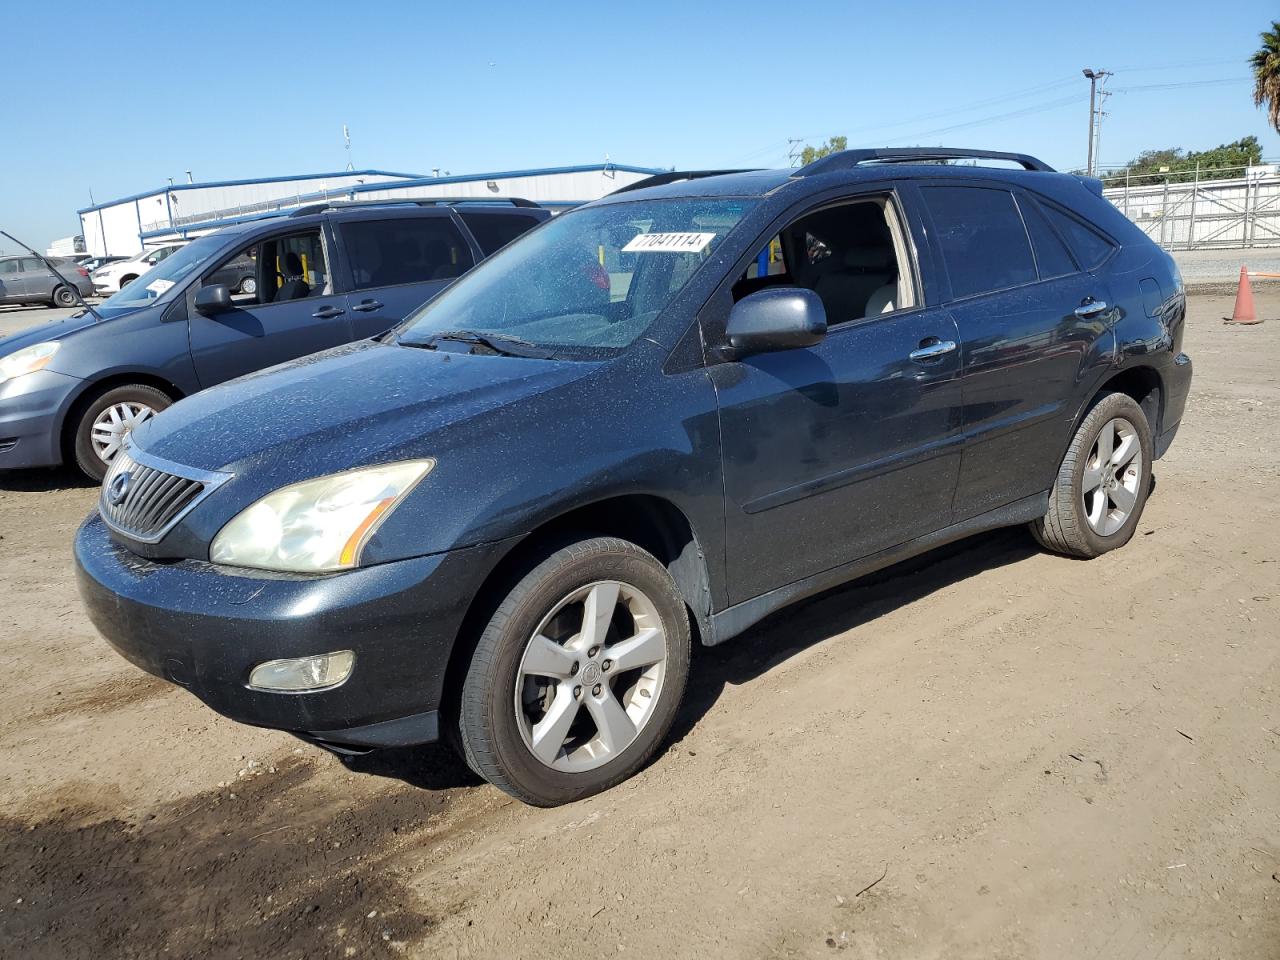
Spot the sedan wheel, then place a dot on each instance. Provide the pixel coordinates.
(248, 285)
(578, 675)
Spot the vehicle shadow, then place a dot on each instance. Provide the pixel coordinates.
(760, 649)
(44, 480)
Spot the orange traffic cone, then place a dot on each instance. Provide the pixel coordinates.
(1244, 313)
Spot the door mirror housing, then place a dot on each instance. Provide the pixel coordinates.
(778, 318)
(215, 298)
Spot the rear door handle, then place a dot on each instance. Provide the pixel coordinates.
(328, 313)
(931, 349)
(367, 306)
(1090, 308)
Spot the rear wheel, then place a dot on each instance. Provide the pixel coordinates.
(577, 677)
(248, 285)
(110, 418)
(1103, 482)
(63, 297)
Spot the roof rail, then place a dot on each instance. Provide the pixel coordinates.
(674, 176)
(311, 208)
(846, 159)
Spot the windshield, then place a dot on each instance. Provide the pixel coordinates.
(586, 283)
(160, 279)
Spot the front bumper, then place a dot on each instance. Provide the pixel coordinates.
(31, 408)
(204, 627)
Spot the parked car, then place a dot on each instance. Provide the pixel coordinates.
(113, 277)
(70, 391)
(26, 279)
(92, 263)
(653, 421)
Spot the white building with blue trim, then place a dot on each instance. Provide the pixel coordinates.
(178, 211)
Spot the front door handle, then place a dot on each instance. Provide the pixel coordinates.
(931, 349)
(367, 306)
(328, 313)
(1090, 308)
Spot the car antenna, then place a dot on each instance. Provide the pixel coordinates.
(56, 275)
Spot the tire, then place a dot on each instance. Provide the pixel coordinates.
(63, 297)
(1078, 524)
(90, 455)
(125, 281)
(502, 702)
(249, 285)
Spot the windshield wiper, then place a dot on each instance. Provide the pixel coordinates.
(57, 277)
(499, 343)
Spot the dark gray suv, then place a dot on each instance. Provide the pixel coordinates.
(247, 297)
(651, 422)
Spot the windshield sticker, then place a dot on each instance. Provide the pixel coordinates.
(158, 287)
(668, 243)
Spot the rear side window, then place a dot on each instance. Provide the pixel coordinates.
(493, 231)
(1052, 256)
(384, 253)
(982, 239)
(1090, 247)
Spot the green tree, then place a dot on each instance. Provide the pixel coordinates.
(1176, 165)
(833, 145)
(1266, 74)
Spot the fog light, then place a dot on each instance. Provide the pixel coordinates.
(304, 673)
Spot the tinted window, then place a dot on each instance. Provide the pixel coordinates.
(1052, 256)
(1090, 248)
(31, 263)
(982, 239)
(9, 266)
(494, 231)
(384, 253)
(282, 268)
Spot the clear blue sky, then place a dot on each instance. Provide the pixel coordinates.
(139, 92)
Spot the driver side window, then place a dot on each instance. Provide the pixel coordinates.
(852, 255)
(275, 270)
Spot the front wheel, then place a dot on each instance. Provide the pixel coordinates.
(248, 285)
(105, 423)
(1103, 482)
(578, 675)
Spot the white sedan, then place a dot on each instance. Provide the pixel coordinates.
(111, 278)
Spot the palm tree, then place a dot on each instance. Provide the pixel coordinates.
(1266, 74)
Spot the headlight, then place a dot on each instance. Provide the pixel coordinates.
(27, 360)
(317, 525)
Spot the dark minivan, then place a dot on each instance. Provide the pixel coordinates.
(651, 422)
(229, 303)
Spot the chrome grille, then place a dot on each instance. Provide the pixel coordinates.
(143, 497)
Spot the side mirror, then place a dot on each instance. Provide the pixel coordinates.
(778, 318)
(215, 298)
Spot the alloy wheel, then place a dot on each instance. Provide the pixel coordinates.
(1112, 475)
(591, 676)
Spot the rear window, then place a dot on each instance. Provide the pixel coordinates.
(493, 231)
(982, 239)
(384, 253)
(1090, 247)
(1052, 256)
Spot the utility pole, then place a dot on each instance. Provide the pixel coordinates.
(1094, 76)
(793, 150)
(346, 138)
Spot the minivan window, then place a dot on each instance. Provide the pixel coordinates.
(587, 283)
(1052, 256)
(1090, 248)
(493, 231)
(290, 267)
(384, 253)
(983, 241)
(160, 279)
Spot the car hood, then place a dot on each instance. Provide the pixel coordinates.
(345, 407)
(52, 330)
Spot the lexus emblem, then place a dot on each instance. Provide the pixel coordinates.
(118, 488)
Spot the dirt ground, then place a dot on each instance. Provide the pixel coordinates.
(988, 752)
